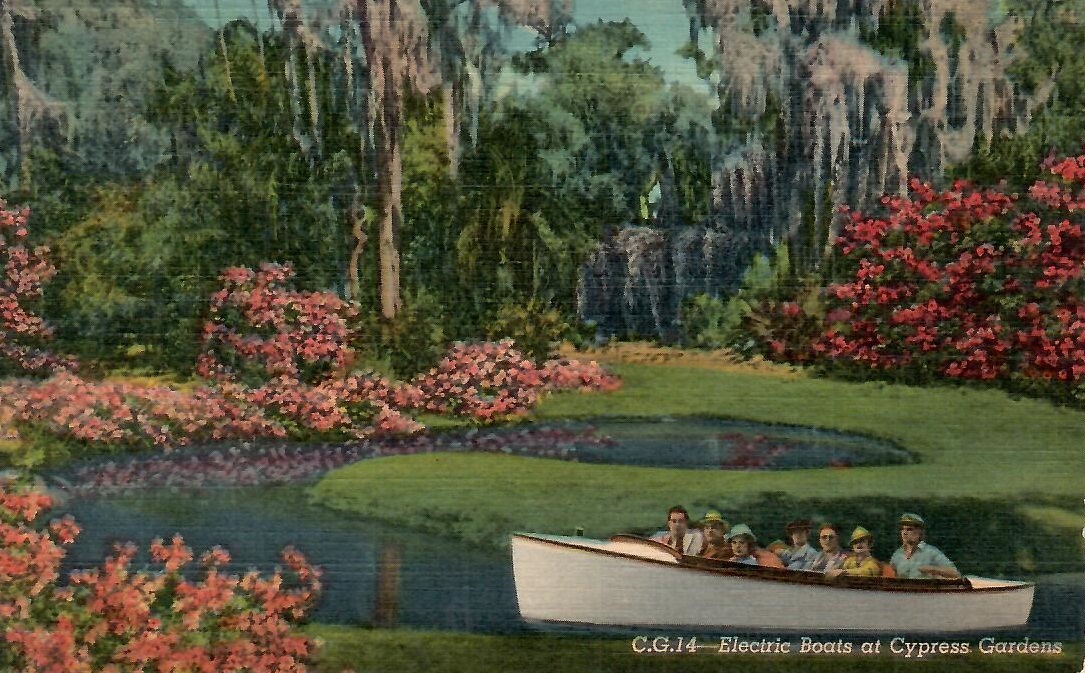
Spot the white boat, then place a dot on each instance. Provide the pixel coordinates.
(633, 582)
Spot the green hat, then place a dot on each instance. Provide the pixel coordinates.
(912, 520)
(861, 533)
(741, 529)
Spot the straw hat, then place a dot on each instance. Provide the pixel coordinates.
(861, 533)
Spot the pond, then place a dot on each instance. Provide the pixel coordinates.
(685, 443)
(249, 498)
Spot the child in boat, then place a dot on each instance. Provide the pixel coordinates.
(744, 548)
(860, 562)
(715, 531)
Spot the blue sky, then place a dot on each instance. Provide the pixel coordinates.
(664, 22)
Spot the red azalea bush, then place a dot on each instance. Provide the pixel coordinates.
(119, 619)
(359, 405)
(968, 284)
(25, 273)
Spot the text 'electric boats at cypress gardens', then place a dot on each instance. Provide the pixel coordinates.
(629, 581)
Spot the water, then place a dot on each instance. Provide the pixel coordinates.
(703, 443)
(439, 583)
(378, 575)
(428, 582)
(729, 445)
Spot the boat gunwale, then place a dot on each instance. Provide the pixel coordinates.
(786, 576)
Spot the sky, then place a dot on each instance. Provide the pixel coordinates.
(664, 23)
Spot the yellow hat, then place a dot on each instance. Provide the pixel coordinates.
(713, 515)
(860, 533)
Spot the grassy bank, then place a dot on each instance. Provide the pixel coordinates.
(999, 478)
(409, 651)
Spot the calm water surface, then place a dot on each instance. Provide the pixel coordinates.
(378, 575)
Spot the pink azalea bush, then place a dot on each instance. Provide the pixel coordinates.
(277, 363)
(25, 273)
(259, 328)
(109, 413)
(117, 618)
(492, 380)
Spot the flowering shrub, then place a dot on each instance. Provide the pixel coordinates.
(969, 283)
(117, 414)
(782, 331)
(490, 380)
(278, 364)
(566, 374)
(26, 271)
(118, 619)
(259, 329)
(483, 381)
(359, 405)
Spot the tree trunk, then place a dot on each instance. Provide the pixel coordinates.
(357, 219)
(17, 82)
(452, 127)
(389, 190)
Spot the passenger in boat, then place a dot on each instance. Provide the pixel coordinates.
(860, 562)
(744, 548)
(715, 531)
(831, 555)
(915, 558)
(679, 535)
(800, 555)
(742, 541)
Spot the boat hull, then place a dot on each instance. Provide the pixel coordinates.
(593, 582)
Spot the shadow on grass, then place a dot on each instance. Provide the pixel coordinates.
(395, 651)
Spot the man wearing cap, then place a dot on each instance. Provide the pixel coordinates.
(679, 535)
(715, 536)
(800, 555)
(860, 562)
(744, 548)
(915, 559)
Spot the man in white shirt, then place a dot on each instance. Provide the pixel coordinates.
(679, 535)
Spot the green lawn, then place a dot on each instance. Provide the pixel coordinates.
(406, 651)
(998, 478)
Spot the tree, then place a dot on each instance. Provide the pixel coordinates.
(398, 56)
(236, 189)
